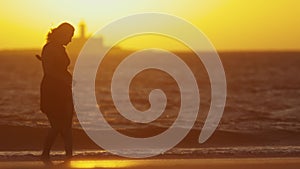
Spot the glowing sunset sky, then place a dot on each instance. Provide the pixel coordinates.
(230, 24)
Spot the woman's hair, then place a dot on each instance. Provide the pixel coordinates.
(59, 33)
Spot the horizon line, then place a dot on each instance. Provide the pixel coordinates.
(175, 51)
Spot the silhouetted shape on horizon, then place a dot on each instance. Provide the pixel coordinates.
(56, 92)
(77, 43)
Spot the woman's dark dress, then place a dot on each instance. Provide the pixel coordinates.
(56, 94)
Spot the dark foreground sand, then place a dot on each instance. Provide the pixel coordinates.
(26, 138)
(15, 138)
(221, 163)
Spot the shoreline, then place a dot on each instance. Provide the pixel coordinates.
(28, 142)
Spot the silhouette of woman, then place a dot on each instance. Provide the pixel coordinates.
(56, 92)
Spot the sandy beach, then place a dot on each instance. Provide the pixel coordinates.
(222, 144)
(222, 163)
(28, 138)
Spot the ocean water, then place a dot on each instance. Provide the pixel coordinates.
(263, 93)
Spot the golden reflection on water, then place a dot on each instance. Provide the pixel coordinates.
(102, 164)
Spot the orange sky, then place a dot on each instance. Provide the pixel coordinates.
(229, 24)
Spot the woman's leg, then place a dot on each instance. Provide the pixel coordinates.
(51, 136)
(67, 136)
(66, 133)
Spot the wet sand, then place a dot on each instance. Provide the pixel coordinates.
(28, 138)
(222, 163)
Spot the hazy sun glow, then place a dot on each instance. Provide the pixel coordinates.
(229, 24)
(153, 41)
(102, 164)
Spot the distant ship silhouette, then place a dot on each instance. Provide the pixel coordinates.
(77, 43)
